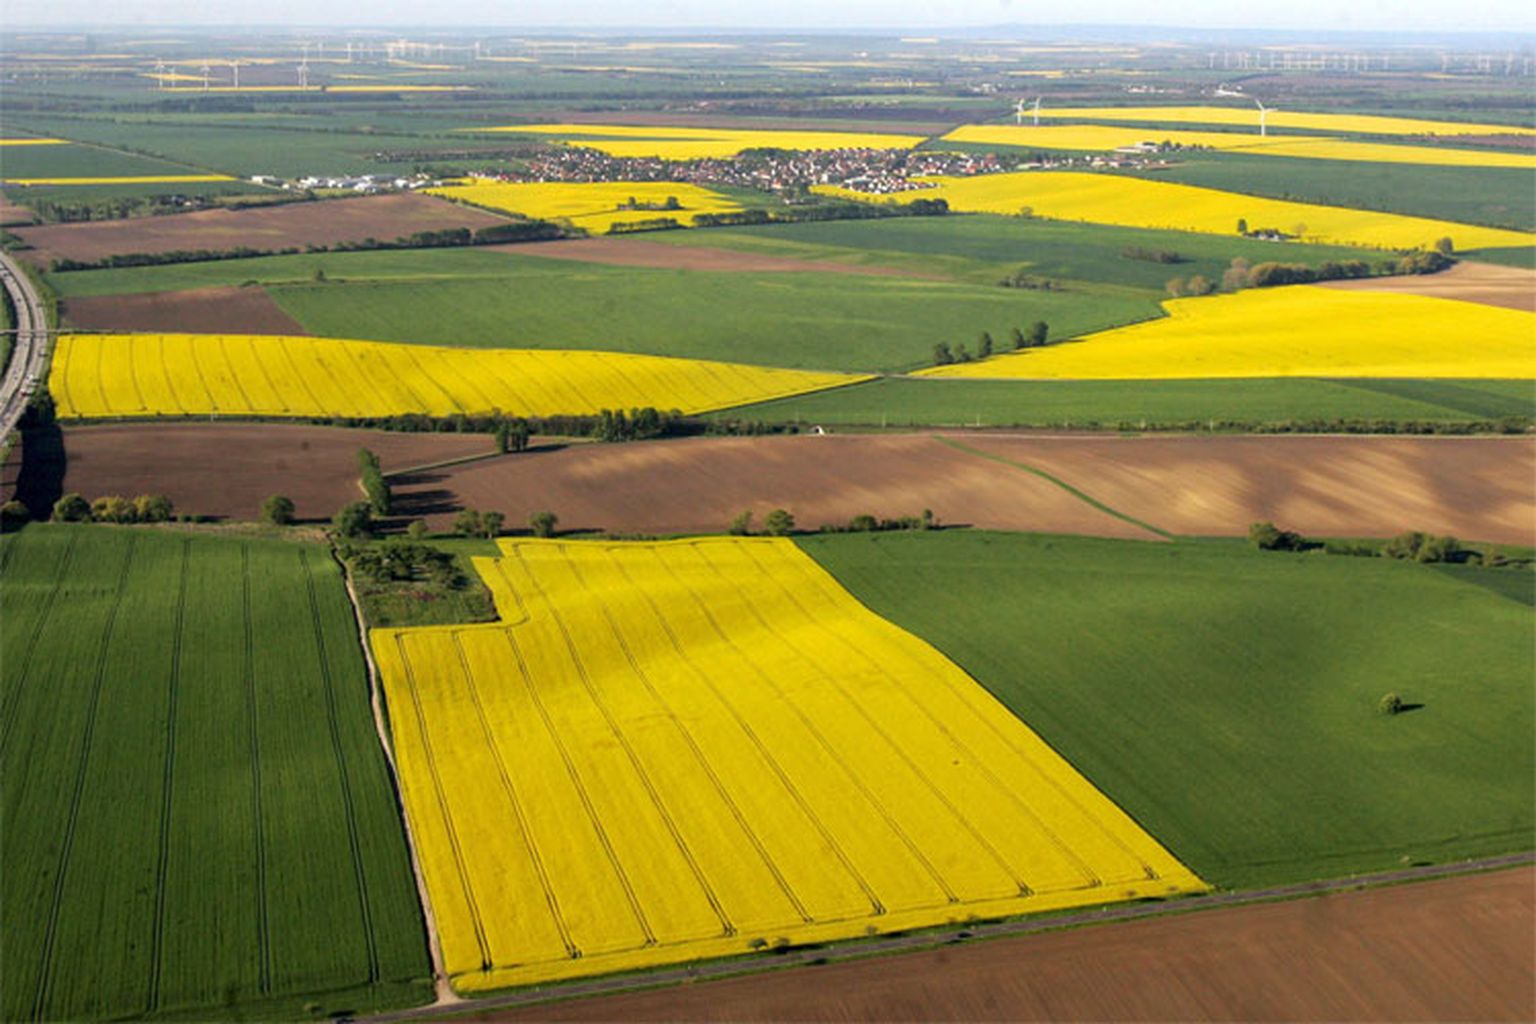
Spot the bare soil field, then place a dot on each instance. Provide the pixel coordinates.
(1455, 949)
(228, 469)
(1474, 488)
(1485, 283)
(12, 215)
(698, 485)
(324, 222)
(629, 252)
(202, 310)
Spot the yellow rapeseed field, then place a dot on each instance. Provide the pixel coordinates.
(670, 143)
(1105, 138)
(145, 179)
(686, 749)
(595, 205)
(1135, 202)
(1248, 115)
(266, 375)
(34, 142)
(1296, 331)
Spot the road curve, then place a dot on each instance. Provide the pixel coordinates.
(29, 359)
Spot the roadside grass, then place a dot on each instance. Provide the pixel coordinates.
(197, 818)
(1226, 697)
(903, 402)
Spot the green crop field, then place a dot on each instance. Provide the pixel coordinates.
(1226, 697)
(907, 402)
(983, 248)
(490, 299)
(197, 817)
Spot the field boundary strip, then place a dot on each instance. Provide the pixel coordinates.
(1042, 474)
(163, 856)
(894, 945)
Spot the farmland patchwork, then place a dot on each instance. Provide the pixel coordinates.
(679, 750)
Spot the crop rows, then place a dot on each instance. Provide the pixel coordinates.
(192, 374)
(188, 827)
(688, 749)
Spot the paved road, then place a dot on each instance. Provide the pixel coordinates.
(926, 940)
(26, 372)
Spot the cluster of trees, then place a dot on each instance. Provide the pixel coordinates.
(400, 560)
(1415, 546)
(1021, 278)
(1138, 252)
(1034, 336)
(670, 203)
(511, 436)
(494, 234)
(613, 424)
(122, 208)
(111, 508)
(649, 224)
(1266, 536)
(381, 498)
(839, 210)
(870, 524)
(778, 523)
(470, 523)
(1409, 546)
(1242, 274)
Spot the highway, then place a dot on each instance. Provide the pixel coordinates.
(26, 372)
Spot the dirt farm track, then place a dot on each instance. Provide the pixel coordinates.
(1475, 488)
(1455, 949)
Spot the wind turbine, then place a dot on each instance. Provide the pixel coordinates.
(235, 67)
(160, 72)
(1263, 117)
(1037, 110)
(206, 69)
(304, 72)
(1018, 112)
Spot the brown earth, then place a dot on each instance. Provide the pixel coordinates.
(1457, 949)
(1485, 283)
(633, 252)
(324, 222)
(228, 469)
(12, 215)
(247, 310)
(1475, 488)
(698, 485)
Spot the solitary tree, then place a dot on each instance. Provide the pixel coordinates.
(491, 523)
(1445, 246)
(741, 526)
(278, 510)
(984, 345)
(942, 356)
(1242, 226)
(1039, 331)
(543, 524)
(779, 523)
(1017, 337)
(467, 523)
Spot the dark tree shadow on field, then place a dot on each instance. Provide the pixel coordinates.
(416, 504)
(43, 462)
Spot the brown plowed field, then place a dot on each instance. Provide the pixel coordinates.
(1475, 488)
(11, 214)
(632, 252)
(698, 485)
(324, 222)
(1486, 283)
(248, 310)
(229, 469)
(1459, 949)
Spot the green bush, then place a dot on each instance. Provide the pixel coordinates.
(543, 524)
(278, 510)
(779, 523)
(1266, 536)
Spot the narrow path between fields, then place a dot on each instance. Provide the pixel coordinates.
(1042, 474)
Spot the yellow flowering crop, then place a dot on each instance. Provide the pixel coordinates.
(267, 375)
(1104, 138)
(1297, 331)
(34, 142)
(671, 143)
(1347, 124)
(1136, 202)
(686, 749)
(593, 205)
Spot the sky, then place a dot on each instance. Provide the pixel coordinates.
(1363, 15)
